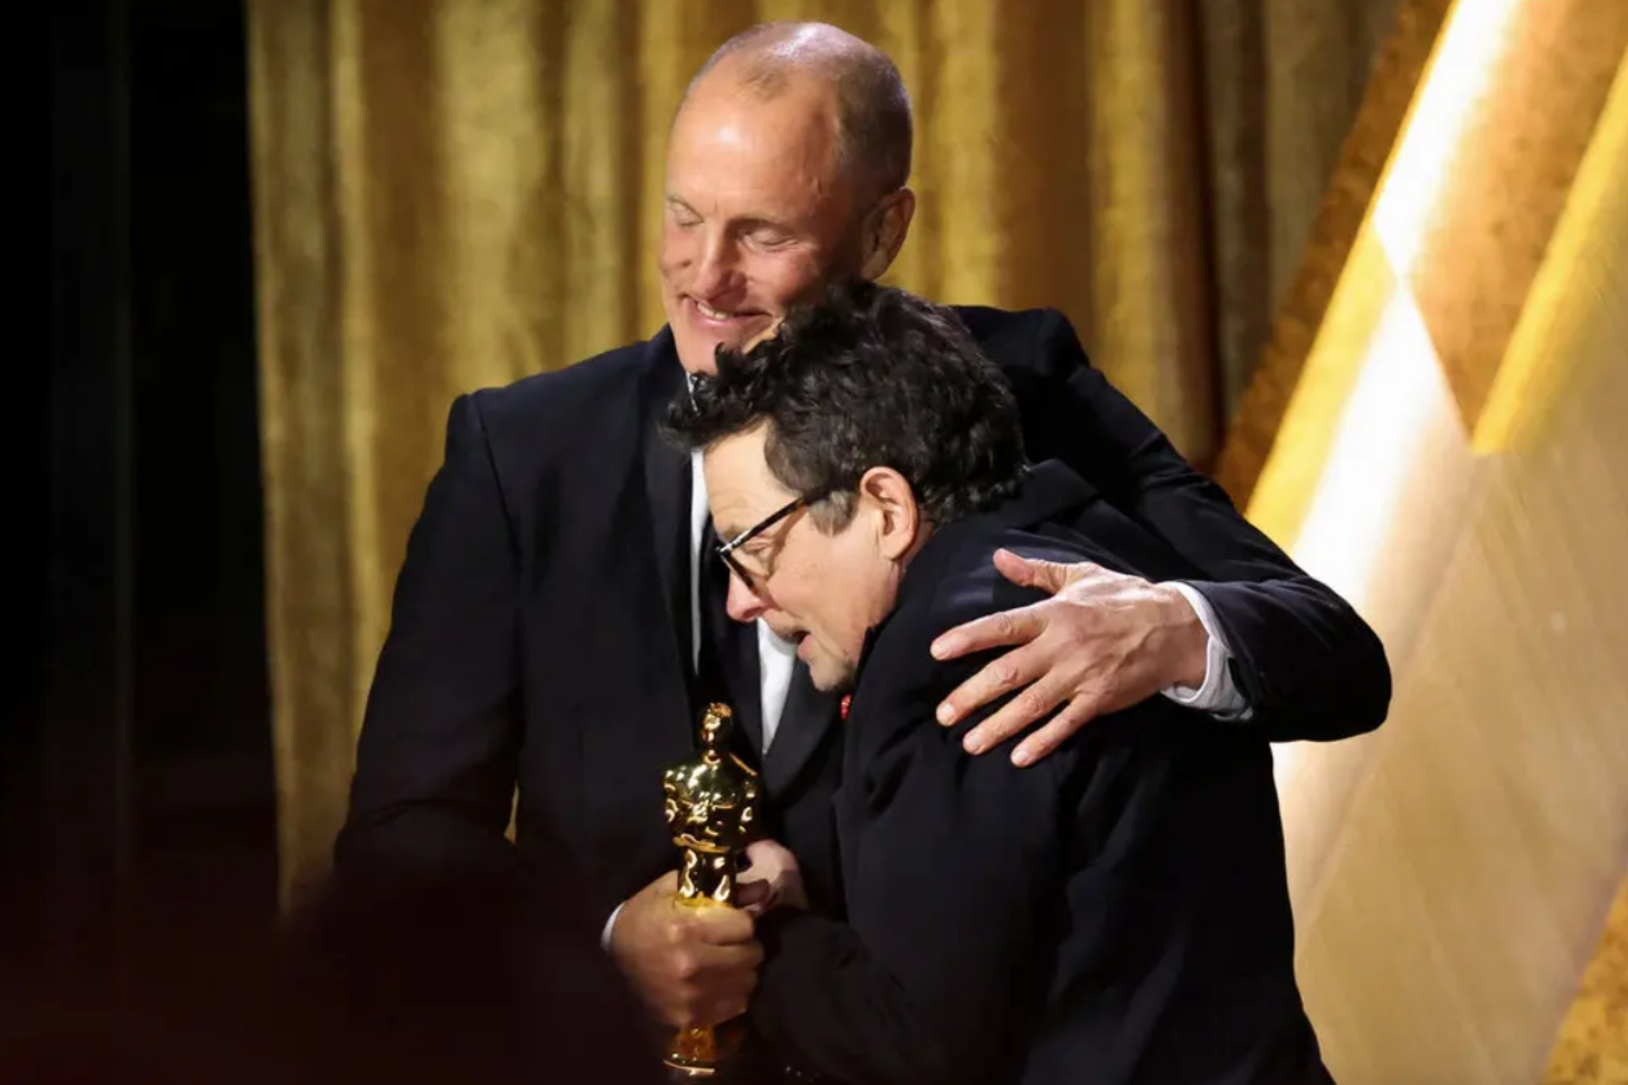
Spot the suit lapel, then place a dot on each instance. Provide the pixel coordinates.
(667, 489)
(808, 715)
(746, 679)
(728, 660)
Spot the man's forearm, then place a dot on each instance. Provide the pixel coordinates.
(1306, 664)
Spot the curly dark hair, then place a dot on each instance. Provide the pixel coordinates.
(871, 376)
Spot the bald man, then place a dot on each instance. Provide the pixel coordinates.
(560, 617)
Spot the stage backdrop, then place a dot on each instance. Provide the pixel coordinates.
(455, 193)
(452, 194)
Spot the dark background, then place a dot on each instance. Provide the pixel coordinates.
(138, 784)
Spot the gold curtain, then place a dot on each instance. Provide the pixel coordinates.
(456, 193)
(1283, 80)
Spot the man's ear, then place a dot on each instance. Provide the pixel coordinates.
(896, 514)
(884, 233)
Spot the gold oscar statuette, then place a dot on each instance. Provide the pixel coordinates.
(711, 808)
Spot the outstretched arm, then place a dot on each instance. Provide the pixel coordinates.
(1277, 650)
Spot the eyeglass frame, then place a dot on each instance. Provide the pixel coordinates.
(726, 551)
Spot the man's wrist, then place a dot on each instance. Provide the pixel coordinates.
(1214, 691)
(1188, 634)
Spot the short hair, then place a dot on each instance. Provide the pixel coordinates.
(875, 128)
(871, 376)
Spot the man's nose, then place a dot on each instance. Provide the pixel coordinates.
(716, 267)
(744, 604)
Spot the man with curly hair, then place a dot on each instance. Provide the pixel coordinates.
(1118, 914)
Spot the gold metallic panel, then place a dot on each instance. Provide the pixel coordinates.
(1577, 266)
(1509, 184)
(1462, 890)
(1345, 205)
(1593, 1044)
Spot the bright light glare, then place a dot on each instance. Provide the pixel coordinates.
(1399, 397)
(1473, 42)
(1399, 404)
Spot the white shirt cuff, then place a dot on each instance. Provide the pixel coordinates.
(610, 925)
(1218, 695)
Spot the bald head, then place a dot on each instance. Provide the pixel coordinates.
(786, 169)
(871, 105)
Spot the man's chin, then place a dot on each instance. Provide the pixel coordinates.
(697, 356)
(698, 347)
(831, 676)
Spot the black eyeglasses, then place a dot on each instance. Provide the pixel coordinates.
(727, 550)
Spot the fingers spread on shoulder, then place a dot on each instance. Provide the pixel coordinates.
(1009, 627)
(1032, 704)
(1048, 576)
(1045, 740)
(1010, 671)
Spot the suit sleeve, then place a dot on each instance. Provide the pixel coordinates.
(1308, 665)
(951, 874)
(437, 759)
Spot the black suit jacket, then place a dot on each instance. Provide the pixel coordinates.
(540, 632)
(1117, 914)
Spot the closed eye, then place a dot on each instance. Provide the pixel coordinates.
(772, 240)
(767, 235)
(684, 216)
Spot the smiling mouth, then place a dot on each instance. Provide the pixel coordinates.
(718, 314)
